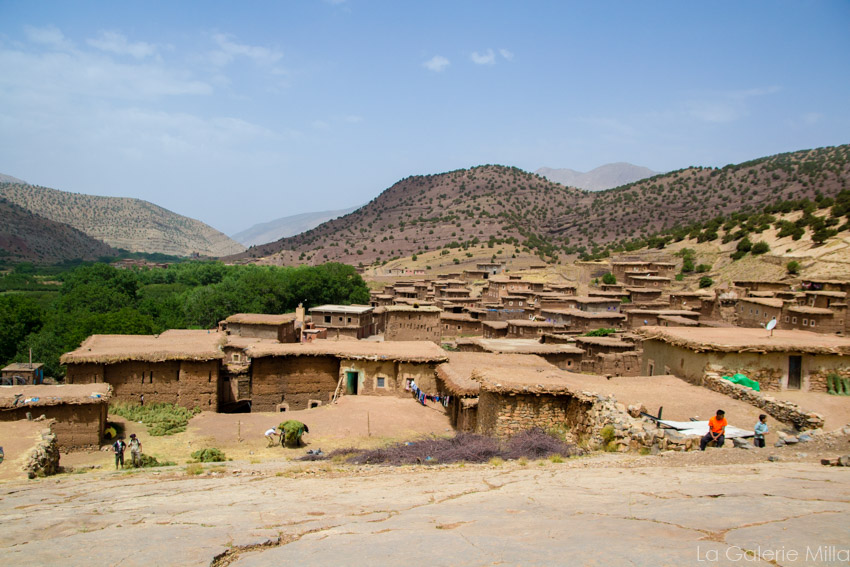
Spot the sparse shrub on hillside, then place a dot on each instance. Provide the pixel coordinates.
(702, 268)
(793, 267)
(744, 245)
(738, 254)
(706, 281)
(760, 247)
(609, 279)
(211, 455)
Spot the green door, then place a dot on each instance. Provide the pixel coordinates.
(351, 380)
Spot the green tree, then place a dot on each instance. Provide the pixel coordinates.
(609, 279)
(705, 281)
(760, 247)
(793, 267)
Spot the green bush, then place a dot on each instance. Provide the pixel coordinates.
(702, 268)
(760, 247)
(603, 332)
(211, 455)
(148, 461)
(706, 281)
(737, 255)
(160, 419)
(744, 245)
(793, 267)
(609, 279)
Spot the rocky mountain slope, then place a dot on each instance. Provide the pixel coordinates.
(286, 226)
(603, 177)
(25, 236)
(9, 179)
(495, 204)
(130, 224)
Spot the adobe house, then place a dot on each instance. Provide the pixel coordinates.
(180, 367)
(621, 270)
(609, 356)
(689, 299)
(548, 300)
(648, 281)
(381, 300)
(525, 329)
(515, 301)
(825, 285)
(261, 326)
(459, 324)
(583, 321)
(644, 294)
(783, 359)
(757, 312)
(596, 304)
(500, 286)
(301, 376)
(824, 299)
(762, 285)
(618, 294)
(815, 319)
(528, 397)
(79, 410)
(344, 321)
(564, 356)
(562, 288)
(474, 275)
(412, 323)
(21, 373)
(643, 317)
(494, 329)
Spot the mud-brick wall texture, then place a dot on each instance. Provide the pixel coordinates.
(84, 373)
(186, 383)
(77, 426)
(504, 415)
(412, 326)
(294, 380)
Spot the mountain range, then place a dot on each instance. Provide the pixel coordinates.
(493, 203)
(130, 224)
(25, 236)
(286, 226)
(603, 177)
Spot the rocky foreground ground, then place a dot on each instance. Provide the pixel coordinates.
(722, 507)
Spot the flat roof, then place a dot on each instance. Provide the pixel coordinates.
(811, 310)
(404, 351)
(343, 308)
(463, 372)
(260, 318)
(23, 367)
(522, 346)
(747, 339)
(585, 314)
(412, 308)
(35, 396)
(175, 344)
(778, 303)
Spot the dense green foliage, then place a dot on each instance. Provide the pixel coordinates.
(160, 419)
(706, 281)
(100, 299)
(211, 455)
(601, 332)
(609, 279)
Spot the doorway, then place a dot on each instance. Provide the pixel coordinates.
(351, 381)
(795, 372)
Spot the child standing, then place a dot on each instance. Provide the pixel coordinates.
(761, 429)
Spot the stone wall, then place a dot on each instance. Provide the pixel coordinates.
(189, 384)
(783, 411)
(613, 363)
(44, 459)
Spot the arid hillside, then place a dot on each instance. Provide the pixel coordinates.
(130, 224)
(496, 204)
(25, 236)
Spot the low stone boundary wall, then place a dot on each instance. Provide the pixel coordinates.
(783, 411)
(44, 459)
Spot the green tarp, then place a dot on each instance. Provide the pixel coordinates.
(744, 381)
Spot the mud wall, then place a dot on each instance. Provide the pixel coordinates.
(186, 383)
(503, 415)
(84, 373)
(407, 326)
(77, 426)
(294, 380)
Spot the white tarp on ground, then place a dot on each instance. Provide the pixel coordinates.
(700, 428)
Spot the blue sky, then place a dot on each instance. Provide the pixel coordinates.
(239, 113)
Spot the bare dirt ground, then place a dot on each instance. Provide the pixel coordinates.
(834, 409)
(364, 421)
(17, 439)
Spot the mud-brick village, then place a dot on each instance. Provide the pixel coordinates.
(359, 284)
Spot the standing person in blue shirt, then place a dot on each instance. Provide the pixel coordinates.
(761, 429)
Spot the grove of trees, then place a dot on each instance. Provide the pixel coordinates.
(101, 299)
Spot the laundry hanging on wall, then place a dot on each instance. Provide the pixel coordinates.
(422, 397)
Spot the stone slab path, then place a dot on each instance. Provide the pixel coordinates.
(542, 513)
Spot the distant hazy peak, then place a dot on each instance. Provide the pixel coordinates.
(272, 231)
(9, 179)
(603, 177)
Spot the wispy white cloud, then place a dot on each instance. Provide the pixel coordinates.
(229, 49)
(726, 106)
(506, 54)
(48, 35)
(437, 63)
(486, 58)
(353, 119)
(114, 42)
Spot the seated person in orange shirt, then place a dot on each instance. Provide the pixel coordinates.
(716, 431)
